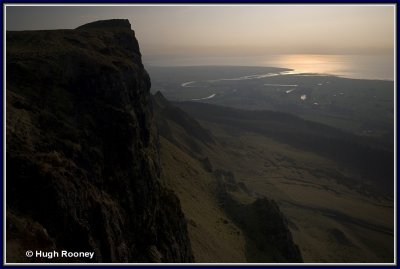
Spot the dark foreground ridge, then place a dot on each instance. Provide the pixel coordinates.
(82, 158)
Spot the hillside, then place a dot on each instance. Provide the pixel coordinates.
(227, 222)
(364, 156)
(82, 158)
(332, 215)
(332, 212)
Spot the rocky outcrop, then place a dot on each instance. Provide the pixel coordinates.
(264, 225)
(82, 157)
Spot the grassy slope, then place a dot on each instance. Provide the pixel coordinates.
(214, 238)
(365, 156)
(329, 222)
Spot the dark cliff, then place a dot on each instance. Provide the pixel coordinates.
(82, 157)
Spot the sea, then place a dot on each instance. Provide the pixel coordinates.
(372, 66)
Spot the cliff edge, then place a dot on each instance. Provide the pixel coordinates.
(82, 158)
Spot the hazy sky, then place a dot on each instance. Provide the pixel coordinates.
(223, 31)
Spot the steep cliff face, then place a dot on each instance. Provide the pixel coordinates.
(82, 157)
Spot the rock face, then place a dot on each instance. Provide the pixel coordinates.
(82, 156)
(266, 228)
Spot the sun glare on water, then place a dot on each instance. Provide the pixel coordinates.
(325, 64)
(351, 66)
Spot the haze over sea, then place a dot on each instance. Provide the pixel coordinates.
(374, 66)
